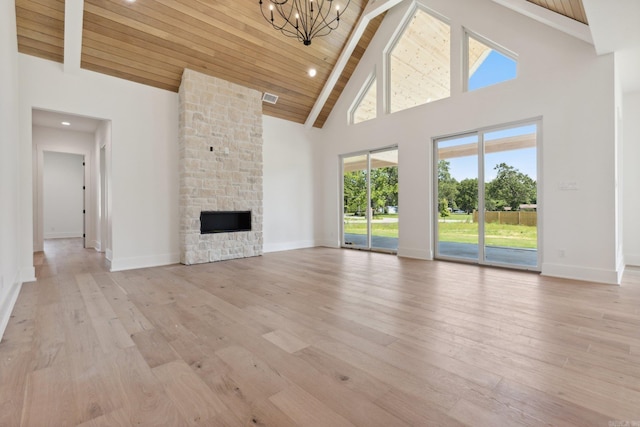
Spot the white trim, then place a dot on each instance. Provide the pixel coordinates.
(28, 274)
(413, 253)
(288, 246)
(597, 275)
(6, 307)
(632, 259)
(73, 14)
(550, 18)
(328, 244)
(108, 254)
(63, 235)
(364, 90)
(120, 264)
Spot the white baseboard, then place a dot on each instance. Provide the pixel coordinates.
(119, 264)
(632, 259)
(424, 254)
(328, 243)
(288, 246)
(8, 302)
(28, 274)
(108, 254)
(598, 275)
(62, 234)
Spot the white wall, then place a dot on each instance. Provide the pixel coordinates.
(560, 79)
(63, 200)
(631, 195)
(63, 141)
(288, 221)
(144, 157)
(10, 276)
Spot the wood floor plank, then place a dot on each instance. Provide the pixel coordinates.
(193, 398)
(316, 337)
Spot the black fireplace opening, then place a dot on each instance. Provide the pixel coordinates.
(224, 221)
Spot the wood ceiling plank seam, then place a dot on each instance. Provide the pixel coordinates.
(131, 69)
(26, 10)
(303, 55)
(122, 75)
(137, 62)
(37, 27)
(236, 46)
(98, 41)
(201, 68)
(208, 71)
(226, 55)
(45, 4)
(40, 54)
(51, 39)
(25, 42)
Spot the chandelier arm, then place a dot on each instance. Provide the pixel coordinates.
(300, 19)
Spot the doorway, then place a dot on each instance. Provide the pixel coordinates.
(370, 200)
(486, 196)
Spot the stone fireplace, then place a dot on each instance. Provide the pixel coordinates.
(220, 143)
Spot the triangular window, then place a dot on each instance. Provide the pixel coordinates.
(487, 64)
(420, 63)
(366, 105)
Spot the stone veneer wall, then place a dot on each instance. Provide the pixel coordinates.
(220, 143)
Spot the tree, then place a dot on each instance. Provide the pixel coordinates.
(467, 198)
(511, 187)
(447, 188)
(384, 187)
(355, 191)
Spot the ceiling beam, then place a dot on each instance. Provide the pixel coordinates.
(73, 16)
(550, 18)
(373, 9)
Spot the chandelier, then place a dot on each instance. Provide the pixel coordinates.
(303, 19)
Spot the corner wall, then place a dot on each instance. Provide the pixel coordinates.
(10, 244)
(289, 196)
(560, 80)
(631, 195)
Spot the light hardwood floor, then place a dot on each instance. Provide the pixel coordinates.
(317, 337)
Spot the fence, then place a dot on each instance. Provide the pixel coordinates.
(509, 217)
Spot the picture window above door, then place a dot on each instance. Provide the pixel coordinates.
(487, 64)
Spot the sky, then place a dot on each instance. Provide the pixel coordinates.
(495, 69)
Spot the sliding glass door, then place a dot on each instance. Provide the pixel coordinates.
(370, 200)
(487, 197)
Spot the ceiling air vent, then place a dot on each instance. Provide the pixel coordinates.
(270, 98)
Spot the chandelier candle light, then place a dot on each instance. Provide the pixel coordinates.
(303, 19)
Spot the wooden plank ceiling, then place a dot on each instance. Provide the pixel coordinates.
(153, 41)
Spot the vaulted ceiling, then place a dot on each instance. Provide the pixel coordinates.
(153, 41)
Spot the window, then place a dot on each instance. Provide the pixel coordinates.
(366, 105)
(487, 65)
(420, 63)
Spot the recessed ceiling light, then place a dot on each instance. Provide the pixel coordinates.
(66, 124)
(312, 72)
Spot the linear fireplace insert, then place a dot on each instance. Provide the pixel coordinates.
(224, 221)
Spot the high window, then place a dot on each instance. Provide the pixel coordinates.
(487, 64)
(366, 103)
(420, 63)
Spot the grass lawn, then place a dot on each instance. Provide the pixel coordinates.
(514, 236)
(459, 229)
